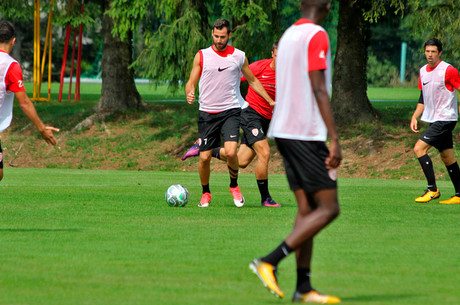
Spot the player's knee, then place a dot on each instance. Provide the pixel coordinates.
(243, 164)
(205, 158)
(231, 154)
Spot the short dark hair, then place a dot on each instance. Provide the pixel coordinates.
(7, 31)
(222, 23)
(275, 45)
(434, 42)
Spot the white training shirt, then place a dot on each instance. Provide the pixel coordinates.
(440, 103)
(6, 97)
(296, 115)
(220, 80)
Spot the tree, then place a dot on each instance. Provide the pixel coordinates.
(349, 87)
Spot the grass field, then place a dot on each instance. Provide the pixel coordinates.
(108, 237)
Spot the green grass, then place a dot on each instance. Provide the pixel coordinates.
(108, 237)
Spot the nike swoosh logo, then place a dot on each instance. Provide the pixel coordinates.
(425, 83)
(232, 136)
(265, 76)
(222, 69)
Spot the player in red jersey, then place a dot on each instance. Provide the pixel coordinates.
(301, 123)
(255, 120)
(11, 86)
(438, 106)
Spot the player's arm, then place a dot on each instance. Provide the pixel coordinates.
(29, 110)
(417, 113)
(193, 80)
(318, 83)
(255, 83)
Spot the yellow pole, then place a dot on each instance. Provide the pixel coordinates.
(49, 55)
(36, 46)
(48, 39)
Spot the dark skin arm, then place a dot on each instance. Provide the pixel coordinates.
(318, 83)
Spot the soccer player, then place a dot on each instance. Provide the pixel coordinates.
(438, 106)
(301, 121)
(218, 70)
(255, 120)
(11, 85)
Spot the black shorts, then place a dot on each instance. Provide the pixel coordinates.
(1, 156)
(439, 135)
(254, 126)
(304, 164)
(212, 125)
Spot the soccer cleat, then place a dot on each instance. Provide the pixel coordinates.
(452, 200)
(428, 196)
(205, 200)
(314, 297)
(267, 274)
(193, 151)
(270, 203)
(238, 198)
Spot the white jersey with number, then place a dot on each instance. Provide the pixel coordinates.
(440, 104)
(220, 80)
(296, 115)
(6, 97)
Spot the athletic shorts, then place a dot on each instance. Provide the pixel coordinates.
(439, 135)
(304, 164)
(254, 126)
(1, 156)
(211, 126)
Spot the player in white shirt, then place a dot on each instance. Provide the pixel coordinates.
(438, 107)
(11, 86)
(218, 69)
(301, 121)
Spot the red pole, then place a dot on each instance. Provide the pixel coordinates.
(64, 60)
(77, 84)
(73, 60)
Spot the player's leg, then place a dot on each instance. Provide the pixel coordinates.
(448, 158)
(208, 132)
(230, 132)
(421, 151)
(262, 149)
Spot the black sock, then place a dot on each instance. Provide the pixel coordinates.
(233, 182)
(454, 173)
(278, 254)
(233, 177)
(216, 153)
(206, 188)
(427, 166)
(303, 280)
(263, 189)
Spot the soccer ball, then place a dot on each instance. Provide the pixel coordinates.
(176, 196)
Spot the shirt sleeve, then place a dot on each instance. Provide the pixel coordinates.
(14, 79)
(453, 77)
(317, 52)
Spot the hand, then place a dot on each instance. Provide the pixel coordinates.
(48, 135)
(413, 125)
(271, 103)
(335, 155)
(191, 97)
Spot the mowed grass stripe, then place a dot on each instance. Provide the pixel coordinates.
(108, 237)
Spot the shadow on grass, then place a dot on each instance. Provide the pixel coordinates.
(379, 297)
(41, 230)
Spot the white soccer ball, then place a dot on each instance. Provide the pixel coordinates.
(176, 196)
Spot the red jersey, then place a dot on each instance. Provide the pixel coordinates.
(452, 79)
(13, 78)
(267, 76)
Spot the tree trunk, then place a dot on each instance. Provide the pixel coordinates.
(119, 91)
(350, 103)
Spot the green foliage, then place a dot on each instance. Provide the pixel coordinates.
(381, 73)
(16, 10)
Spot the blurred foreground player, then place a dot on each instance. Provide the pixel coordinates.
(301, 121)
